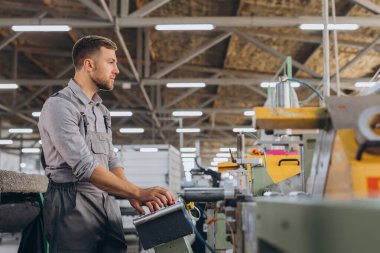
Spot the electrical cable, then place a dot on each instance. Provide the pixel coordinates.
(307, 85)
(197, 233)
(232, 235)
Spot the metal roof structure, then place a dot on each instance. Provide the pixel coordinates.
(249, 45)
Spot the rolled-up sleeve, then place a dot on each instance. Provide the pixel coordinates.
(60, 120)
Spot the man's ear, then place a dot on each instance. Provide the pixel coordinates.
(88, 64)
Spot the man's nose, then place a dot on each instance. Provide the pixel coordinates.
(116, 70)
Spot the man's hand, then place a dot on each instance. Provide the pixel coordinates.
(158, 195)
(152, 206)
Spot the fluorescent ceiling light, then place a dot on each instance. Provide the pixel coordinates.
(214, 163)
(121, 114)
(6, 142)
(188, 155)
(148, 149)
(249, 113)
(187, 113)
(8, 86)
(185, 85)
(185, 27)
(41, 28)
(131, 130)
(223, 155)
(36, 114)
(364, 84)
(347, 27)
(188, 130)
(184, 150)
(30, 150)
(227, 149)
(187, 159)
(220, 159)
(20, 130)
(273, 84)
(244, 130)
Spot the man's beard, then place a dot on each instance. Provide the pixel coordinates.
(101, 84)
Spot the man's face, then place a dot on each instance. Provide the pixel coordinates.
(105, 69)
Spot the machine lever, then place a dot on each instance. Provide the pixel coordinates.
(364, 146)
(289, 160)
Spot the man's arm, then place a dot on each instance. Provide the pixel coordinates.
(117, 184)
(152, 206)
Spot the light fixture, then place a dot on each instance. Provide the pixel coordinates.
(20, 130)
(249, 113)
(115, 150)
(223, 155)
(185, 85)
(187, 113)
(228, 149)
(244, 130)
(273, 84)
(22, 165)
(220, 159)
(184, 27)
(148, 150)
(213, 168)
(6, 142)
(41, 28)
(30, 150)
(188, 155)
(188, 130)
(364, 84)
(184, 150)
(187, 159)
(347, 27)
(214, 163)
(132, 130)
(121, 114)
(8, 86)
(36, 114)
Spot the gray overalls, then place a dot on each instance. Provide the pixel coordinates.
(79, 217)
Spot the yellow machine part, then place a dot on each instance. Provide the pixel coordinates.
(287, 168)
(277, 172)
(228, 166)
(295, 118)
(365, 174)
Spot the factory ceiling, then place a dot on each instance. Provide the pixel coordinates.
(249, 45)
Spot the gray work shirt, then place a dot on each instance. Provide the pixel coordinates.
(67, 155)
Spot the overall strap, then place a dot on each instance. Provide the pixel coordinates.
(83, 115)
(105, 117)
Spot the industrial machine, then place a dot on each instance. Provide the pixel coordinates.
(340, 206)
(165, 230)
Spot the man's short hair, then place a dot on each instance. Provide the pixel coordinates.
(89, 45)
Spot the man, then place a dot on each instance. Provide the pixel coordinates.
(79, 215)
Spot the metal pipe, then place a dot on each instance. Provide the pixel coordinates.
(203, 194)
(326, 49)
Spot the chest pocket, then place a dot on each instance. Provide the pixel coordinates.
(100, 146)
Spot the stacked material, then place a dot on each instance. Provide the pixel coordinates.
(19, 199)
(11, 181)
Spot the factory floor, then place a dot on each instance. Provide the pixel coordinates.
(9, 243)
